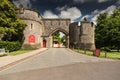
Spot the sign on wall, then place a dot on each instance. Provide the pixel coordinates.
(32, 39)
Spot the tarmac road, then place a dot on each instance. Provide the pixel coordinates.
(63, 64)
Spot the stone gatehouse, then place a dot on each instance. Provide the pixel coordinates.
(39, 31)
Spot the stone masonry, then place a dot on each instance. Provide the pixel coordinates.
(39, 31)
(82, 36)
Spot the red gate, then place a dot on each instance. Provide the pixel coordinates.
(44, 43)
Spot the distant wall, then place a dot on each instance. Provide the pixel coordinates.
(82, 36)
(87, 35)
(74, 32)
(50, 25)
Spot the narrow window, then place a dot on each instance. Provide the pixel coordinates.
(31, 26)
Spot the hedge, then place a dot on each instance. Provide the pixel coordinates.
(11, 46)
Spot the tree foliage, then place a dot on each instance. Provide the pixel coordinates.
(56, 35)
(107, 33)
(61, 39)
(10, 25)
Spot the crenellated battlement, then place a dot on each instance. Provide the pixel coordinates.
(28, 14)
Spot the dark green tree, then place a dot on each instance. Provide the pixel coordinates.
(10, 25)
(56, 34)
(114, 27)
(100, 30)
(63, 38)
(107, 33)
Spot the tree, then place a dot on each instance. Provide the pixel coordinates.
(114, 32)
(56, 35)
(107, 33)
(10, 26)
(100, 30)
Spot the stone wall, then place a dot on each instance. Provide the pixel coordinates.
(29, 15)
(38, 29)
(51, 25)
(34, 28)
(87, 35)
(74, 32)
(82, 36)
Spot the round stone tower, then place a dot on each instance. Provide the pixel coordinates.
(87, 35)
(33, 29)
(82, 35)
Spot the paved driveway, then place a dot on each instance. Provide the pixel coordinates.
(63, 64)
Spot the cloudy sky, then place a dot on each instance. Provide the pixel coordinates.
(74, 9)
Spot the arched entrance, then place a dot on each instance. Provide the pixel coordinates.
(52, 26)
(59, 38)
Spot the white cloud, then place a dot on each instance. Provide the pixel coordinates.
(101, 1)
(81, 1)
(49, 14)
(95, 14)
(95, 11)
(72, 13)
(65, 12)
(86, 16)
(62, 8)
(94, 19)
(25, 3)
(109, 10)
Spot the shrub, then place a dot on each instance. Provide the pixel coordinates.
(106, 49)
(11, 46)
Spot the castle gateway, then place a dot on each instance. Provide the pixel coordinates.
(39, 31)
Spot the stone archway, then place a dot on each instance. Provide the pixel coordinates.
(51, 39)
(53, 25)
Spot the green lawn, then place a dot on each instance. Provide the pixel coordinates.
(111, 55)
(22, 51)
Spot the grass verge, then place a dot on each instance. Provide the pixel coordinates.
(22, 51)
(111, 55)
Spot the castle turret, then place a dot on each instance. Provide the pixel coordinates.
(87, 35)
(74, 32)
(82, 35)
(34, 29)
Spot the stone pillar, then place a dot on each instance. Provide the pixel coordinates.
(67, 42)
(50, 41)
(47, 42)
